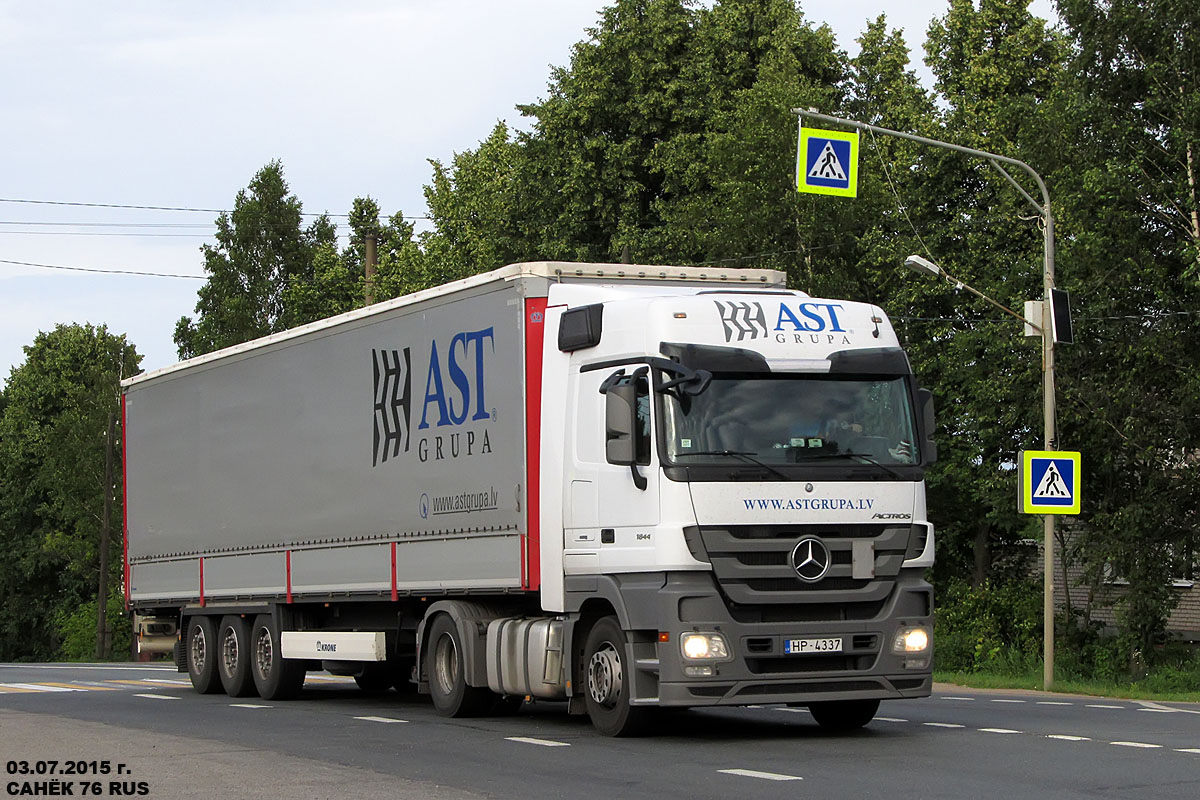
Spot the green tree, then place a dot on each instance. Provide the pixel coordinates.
(262, 252)
(53, 436)
(1131, 118)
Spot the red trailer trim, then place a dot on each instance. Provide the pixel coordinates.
(531, 560)
(125, 503)
(201, 580)
(289, 576)
(395, 592)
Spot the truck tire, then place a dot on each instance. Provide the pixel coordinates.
(202, 655)
(376, 676)
(843, 715)
(444, 665)
(233, 656)
(275, 677)
(607, 682)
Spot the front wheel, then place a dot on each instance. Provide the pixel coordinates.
(608, 678)
(445, 668)
(843, 715)
(275, 677)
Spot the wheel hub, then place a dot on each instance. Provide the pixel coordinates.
(197, 651)
(605, 676)
(229, 652)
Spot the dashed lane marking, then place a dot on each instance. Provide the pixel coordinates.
(1143, 745)
(1067, 738)
(247, 705)
(766, 776)
(381, 719)
(997, 730)
(1099, 705)
(1194, 750)
(943, 724)
(42, 687)
(890, 719)
(166, 681)
(1053, 703)
(952, 697)
(541, 742)
(1008, 701)
(158, 696)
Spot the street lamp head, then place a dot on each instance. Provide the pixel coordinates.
(919, 264)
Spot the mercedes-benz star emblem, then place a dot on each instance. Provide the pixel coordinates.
(810, 559)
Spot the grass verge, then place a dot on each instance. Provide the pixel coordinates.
(1031, 681)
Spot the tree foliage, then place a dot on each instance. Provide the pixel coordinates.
(53, 430)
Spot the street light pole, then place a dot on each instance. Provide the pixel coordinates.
(1048, 408)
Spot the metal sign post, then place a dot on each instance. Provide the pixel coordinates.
(1049, 433)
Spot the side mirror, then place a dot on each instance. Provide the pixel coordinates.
(620, 424)
(928, 425)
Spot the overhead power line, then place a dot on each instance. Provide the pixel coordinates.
(167, 208)
(103, 271)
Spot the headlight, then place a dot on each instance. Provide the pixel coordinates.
(911, 640)
(700, 646)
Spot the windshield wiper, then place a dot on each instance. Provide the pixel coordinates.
(745, 455)
(865, 459)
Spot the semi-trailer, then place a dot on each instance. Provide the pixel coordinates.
(622, 487)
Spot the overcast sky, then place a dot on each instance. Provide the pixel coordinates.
(179, 104)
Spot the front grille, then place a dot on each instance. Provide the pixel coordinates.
(752, 566)
(794, 664)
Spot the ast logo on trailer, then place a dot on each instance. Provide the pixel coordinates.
(827, 162)
(393, 391)
(1050, 482)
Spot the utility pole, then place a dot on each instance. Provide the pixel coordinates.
(1048, 409)
(372, 256)
(102, 642)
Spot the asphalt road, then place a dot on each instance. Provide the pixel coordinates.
(163, 740)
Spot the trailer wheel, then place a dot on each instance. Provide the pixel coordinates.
(607, 679)
(444, 665)
(843, 715)
(202, 655)
(233, 656)
(275, 677)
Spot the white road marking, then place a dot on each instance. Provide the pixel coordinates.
(247, 705)
(542, 742)
(1053, 703)
(1137, 744)
(890, 719)
(951, 697)
(158, 696)
(793, 710)
(997, 730)
(1097, 705)
(1194, 750)
(1008, 701)
(1066, 738)
(37, 687)
(165, 680)
(943, 724)
(1149, 706)
(381, 719)
(766, 776)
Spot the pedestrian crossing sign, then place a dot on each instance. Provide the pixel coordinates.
(827, 162)
(1050, 482)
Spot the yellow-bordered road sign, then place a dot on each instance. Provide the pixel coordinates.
(827, 162)
(1050, 481)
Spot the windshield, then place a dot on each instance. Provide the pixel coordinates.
(790, 419)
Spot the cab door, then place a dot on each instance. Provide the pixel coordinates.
(608, 520)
